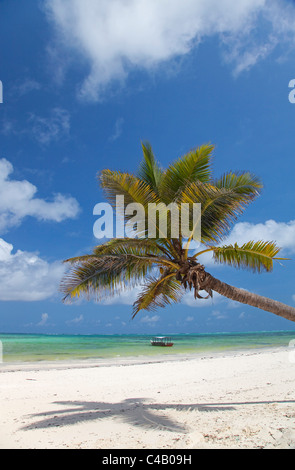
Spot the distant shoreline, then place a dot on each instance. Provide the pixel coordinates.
(149, 335)
(20, 348)
(92, 363)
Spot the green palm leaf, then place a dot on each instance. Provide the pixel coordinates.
(114, 265)
(115, 183)
(256, 256)
(100, 276)
(158, 292)
(126, 262)
(149, 170)
(145, 247)
(220, 207)
(221, 202)
(194, 166)
(243, 183)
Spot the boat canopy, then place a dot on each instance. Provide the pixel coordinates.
(161, 341)
(161, 338)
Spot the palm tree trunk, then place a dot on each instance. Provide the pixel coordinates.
(245, 297)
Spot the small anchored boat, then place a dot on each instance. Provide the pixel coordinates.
(161, 341)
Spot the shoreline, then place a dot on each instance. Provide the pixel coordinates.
(40, 349)
(236, 399)
(121, 361)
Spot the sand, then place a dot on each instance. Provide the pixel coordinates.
(235, 400)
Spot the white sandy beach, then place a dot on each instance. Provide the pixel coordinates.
(240, 400)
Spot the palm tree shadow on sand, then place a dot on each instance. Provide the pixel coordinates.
(134, 411)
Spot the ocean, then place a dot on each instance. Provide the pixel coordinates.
(32, 347)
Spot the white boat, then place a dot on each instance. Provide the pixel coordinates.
(161, 341)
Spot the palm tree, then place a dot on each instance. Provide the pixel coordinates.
(166, 266)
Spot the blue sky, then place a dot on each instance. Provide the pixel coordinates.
(84, 82)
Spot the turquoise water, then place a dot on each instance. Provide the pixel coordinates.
(28, 348)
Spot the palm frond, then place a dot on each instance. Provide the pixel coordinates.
(220, 207)
(149, 170)
(134, 190)
(245, 185)
(98, 276)
(136, 246)
(158, 292)
(157, 250)
(256, 256)
(115, 183)
(194, 166)
(126, 262)
(113, 265)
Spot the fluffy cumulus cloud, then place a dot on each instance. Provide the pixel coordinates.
(24, 276)
(18, 200)
(44, 319)
(113, 37)
(283, 233)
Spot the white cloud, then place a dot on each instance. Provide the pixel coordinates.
(78, 319)
(188, 299)
(44, 318)
(117, 130)
(269, 24)
(44, 129)
(247, 58)
(189, 319)
(148, 319)
(218, 315)
(50, 128)
(126, 297)
(24, 276)
(114, 37)
(7, 127)
(26, 86)
(17, 201)
(283, 233)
